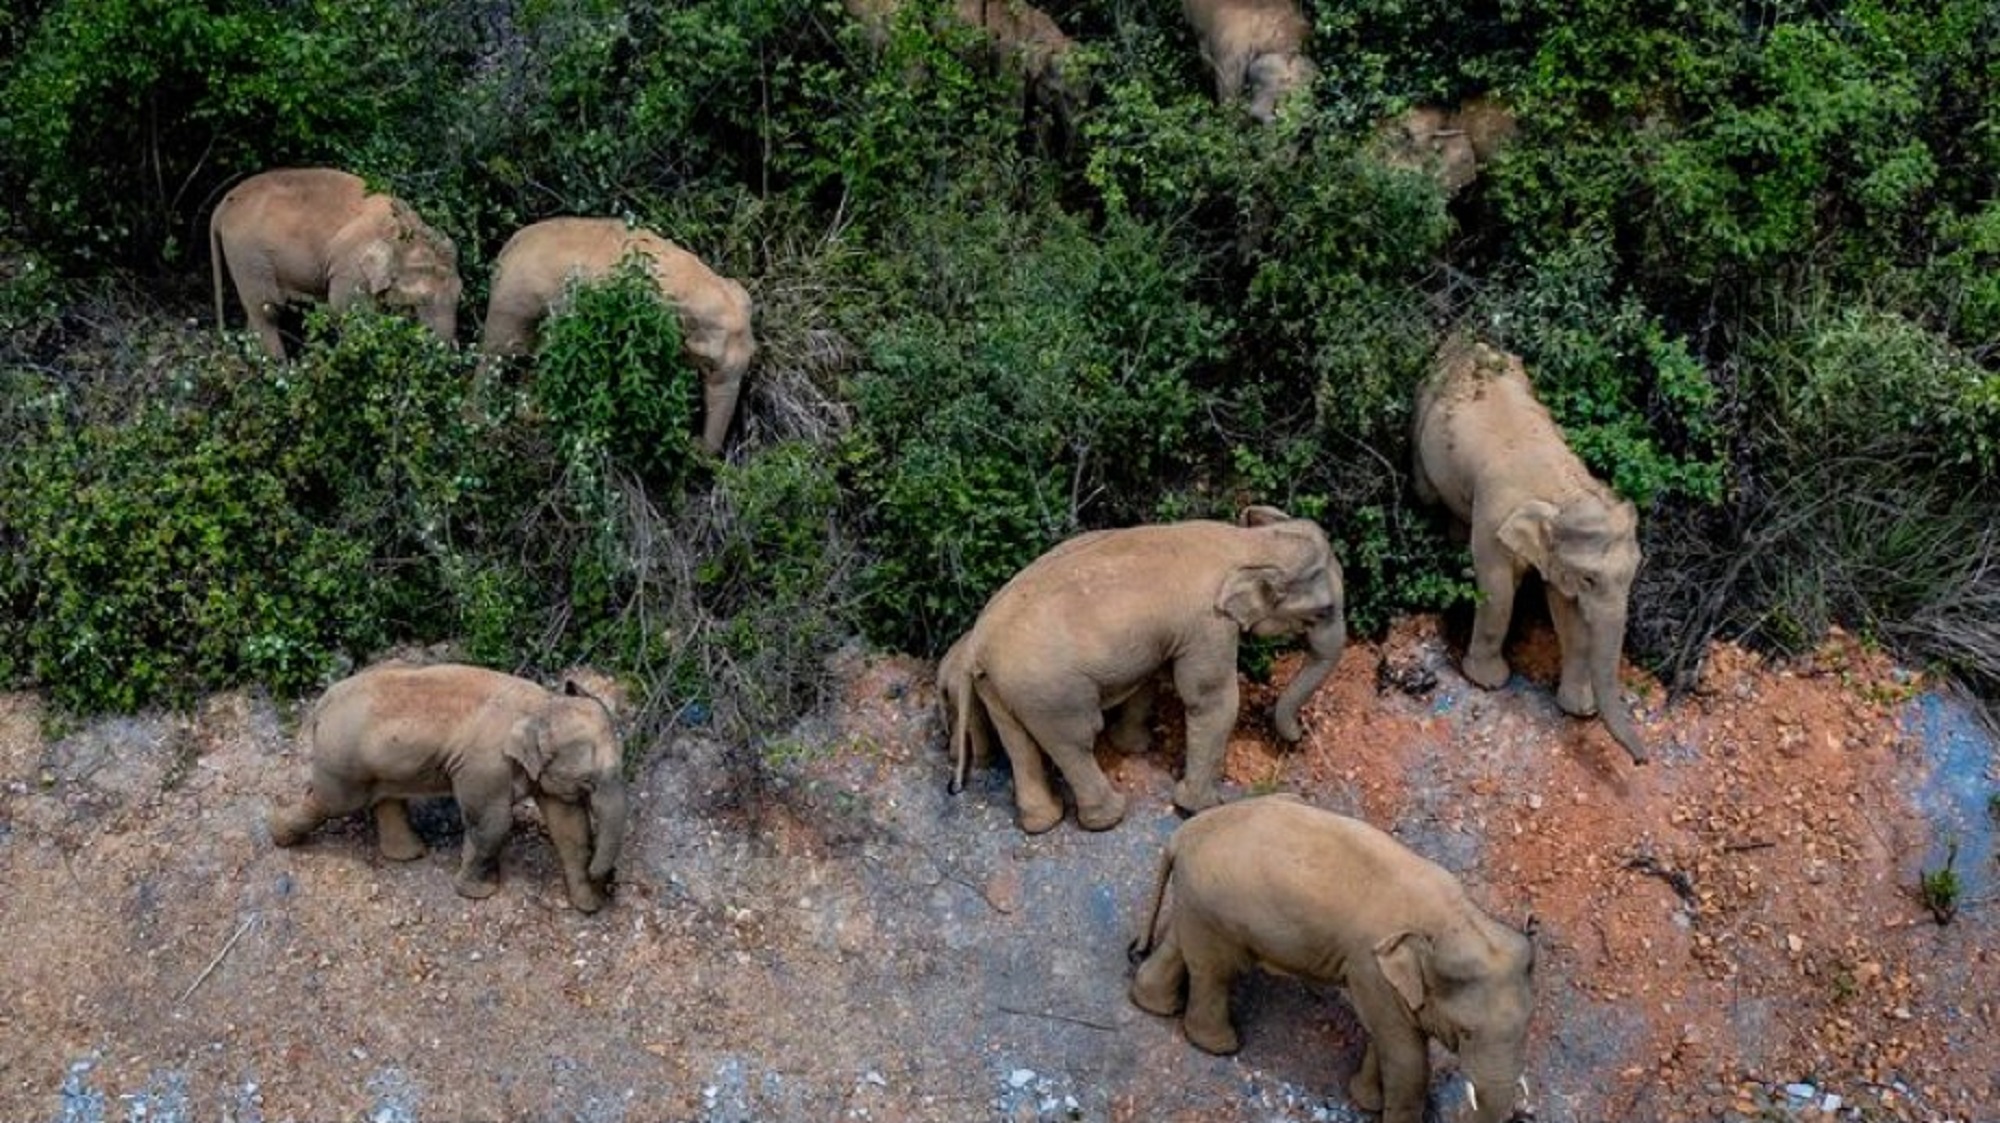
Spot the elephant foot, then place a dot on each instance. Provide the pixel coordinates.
(1102, 816)
(1578, 700)
(1366, 1094)
(1040, 819)
(403, 849)
(285, 828)
(1192, 799)
(586, 898)
(1221, 1040)
(1489, 671)
(477, 888)
(1162, 1000)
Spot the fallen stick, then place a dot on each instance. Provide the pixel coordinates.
(217, 961)
(1084, 1022)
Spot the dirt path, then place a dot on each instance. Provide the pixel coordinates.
(835, 938)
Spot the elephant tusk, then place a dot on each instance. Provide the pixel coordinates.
(1472, 1095)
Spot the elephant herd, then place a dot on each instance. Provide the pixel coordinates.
(317, 234)
(1074, 646)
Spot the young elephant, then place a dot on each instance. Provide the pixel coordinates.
(540, 260)
(298, 234)
(1490, 452)
(1274, 883)
(1452, 146)
(395, 731)
(1255, 43)
(1086, 627)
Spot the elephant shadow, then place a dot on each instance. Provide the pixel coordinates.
(1305, 1034)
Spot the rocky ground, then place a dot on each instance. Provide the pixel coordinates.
(1733, 932)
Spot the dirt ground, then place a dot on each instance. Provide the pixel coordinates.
(1732, 932)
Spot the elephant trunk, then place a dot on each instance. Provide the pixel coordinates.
(1326, 639)
(608, 811)
(442, 320)
(1495, 1085)
(1606, 640)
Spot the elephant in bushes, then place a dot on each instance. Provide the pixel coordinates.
(1450, 145)
(1274, 883)
(1086, 628)
(396, 731)
(300, 234)
(1490, 452)
(539, 261)
(1256, 48)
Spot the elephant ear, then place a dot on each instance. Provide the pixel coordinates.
(1249, 593)
(1260, 515)
(1402, 958)
(1525, 532)
(375, 264)
(528, 746)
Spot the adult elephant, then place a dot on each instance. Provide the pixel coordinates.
(1276, 883)
(1489, 451)
(540, 260)
(312, 234)
(1087, 627)
(1256, 49)
(395, 731)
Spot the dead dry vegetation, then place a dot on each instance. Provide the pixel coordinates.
(821, 933)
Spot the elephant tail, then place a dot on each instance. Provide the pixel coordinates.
(215, 268)
(965, 715)
(1142, 946)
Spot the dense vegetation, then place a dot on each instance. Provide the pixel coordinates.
(1751, 253)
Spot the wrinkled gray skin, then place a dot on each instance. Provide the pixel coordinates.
(395, 731)
(1087, 627)
(1272, 882)
(1256, 49)
(311, 234)
(1489, 451)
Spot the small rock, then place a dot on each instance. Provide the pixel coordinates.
(875, 1078)
(1831, 1103)
(1801, 1091)
(1020, 1078)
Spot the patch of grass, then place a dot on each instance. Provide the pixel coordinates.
(1939, 889)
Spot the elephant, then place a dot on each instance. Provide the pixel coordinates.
(302, 234)
(1258, 44)
(1489, 451)
(1086, 628)
(1452, 146)
(1276, 883)
(1021, 36)
(541, 259)
(394, 731)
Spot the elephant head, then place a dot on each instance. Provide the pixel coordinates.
(1470, 986)
(400, 265)
(1587, 551)
(570, 750)
(1272, 78)
(1294, 588)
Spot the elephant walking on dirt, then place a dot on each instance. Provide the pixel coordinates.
(1086, 628)
(1490, 452)
(306, 234)
(1275, 883)
(395, 731)
(539, 261)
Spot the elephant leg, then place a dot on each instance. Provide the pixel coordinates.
(719, 408)
(1156, 987)
(569, 829)
(398, 840)
(1574, 693)
(289, 826)
(1040, 809)
(1132, 732)
(488, 815)
(262, 316)
(1404, 1060)
(1209, 692)
(1495, 575)
(1212, 966)
(1069, 735)
(1366, 1087)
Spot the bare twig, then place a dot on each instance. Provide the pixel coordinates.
(1065, 1018)
(217, 961)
